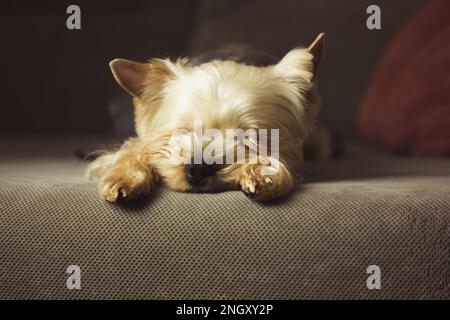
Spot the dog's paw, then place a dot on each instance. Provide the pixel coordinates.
(114, 186)
(257, 185)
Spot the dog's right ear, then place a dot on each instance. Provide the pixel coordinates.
(130, 75)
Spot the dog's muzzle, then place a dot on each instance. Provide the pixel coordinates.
(197, 173)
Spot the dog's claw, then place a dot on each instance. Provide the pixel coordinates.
(257, 186)
(111, 196)
(116, 187)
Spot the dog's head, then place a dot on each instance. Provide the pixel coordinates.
(218, 107)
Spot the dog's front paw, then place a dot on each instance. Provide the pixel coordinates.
(127, 186)
(259, 186)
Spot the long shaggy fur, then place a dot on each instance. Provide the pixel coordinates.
(170, 97)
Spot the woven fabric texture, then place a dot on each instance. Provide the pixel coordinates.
(365, 209)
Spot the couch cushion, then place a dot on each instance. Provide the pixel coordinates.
(407, 106)
(364, 209)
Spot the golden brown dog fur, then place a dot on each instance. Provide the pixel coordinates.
(170, 96)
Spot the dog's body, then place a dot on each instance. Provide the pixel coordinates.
(223, 92)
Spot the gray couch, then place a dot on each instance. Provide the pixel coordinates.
(367, 208)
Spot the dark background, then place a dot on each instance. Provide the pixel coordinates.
(57, 82)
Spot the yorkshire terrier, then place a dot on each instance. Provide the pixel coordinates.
(221, 93)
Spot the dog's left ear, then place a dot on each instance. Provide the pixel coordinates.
(316, 49)
(301, 64)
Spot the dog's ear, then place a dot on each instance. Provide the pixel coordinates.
(301, 64)
(130, 75)
(316, 49)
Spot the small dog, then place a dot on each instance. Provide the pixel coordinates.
(221, 94)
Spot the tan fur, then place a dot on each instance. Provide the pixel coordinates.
(125, 172)
(170, 97)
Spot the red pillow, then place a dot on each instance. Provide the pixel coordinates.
(407, 106)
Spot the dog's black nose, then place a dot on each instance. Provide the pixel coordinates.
(196, 173)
